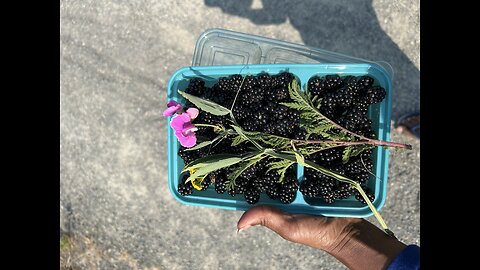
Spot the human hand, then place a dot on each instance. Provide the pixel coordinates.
(353, 241)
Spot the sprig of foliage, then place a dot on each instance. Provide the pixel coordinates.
(270, 140)
(206, 105)
(311, 119)
(280, 167)
(241, 168)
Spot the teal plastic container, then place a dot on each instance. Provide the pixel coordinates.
(380, 114)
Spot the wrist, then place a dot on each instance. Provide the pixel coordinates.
(362, 245)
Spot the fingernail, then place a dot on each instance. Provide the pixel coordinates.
(243, 229)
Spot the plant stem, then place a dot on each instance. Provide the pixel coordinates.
(367, 142)
(208, 125)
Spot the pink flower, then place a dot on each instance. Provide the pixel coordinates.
(173, 107)
(184, 129)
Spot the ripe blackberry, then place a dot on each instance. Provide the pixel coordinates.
(361, 178)
(344, 97)
(375, 94)
(281, 93)
(370, 196)
(365, 81)
(252, 195)
(309, 188)
(282, 80)
(361, 104)
(343, 191)
(220, 187)
(195, 87)
(185, 189)
(187, 156)
(328, 106)
(327, 156)
(317, 86)
(264, 80)
(205, 183)
(286, 197)
(357, 165)
(300, 134)
(333, 82)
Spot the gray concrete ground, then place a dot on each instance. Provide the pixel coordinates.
(116, 59)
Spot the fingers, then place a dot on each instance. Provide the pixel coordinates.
(314, 231)
(272, 218)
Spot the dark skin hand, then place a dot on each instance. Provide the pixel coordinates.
(355, 242)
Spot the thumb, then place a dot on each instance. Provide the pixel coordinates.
(267, 216)
(315, 231)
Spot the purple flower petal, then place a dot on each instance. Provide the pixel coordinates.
(193, 112)
(177, 123)
(173, 107)
(172, 103)
(189, 128)
(187, 140)
(185, 117)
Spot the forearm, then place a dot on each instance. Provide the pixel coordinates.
(365, 246)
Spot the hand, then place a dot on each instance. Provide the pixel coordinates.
(355, 242)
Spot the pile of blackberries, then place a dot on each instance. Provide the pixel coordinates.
(257, 108)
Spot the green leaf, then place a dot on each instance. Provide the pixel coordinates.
(206, 105)
(346, 154)
(240, 169)
(273, 141)
(213, 166)
(205, 161)
(240, 132)
(206, 143)
(238, 140)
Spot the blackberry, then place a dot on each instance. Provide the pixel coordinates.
(361, 104)
(361, 178)
(300, 134)
(327, 156)
(286, 197)
(344, 97)
(252, 195)
(273, 191)
(370, 196)
(187, 156)
(356, 166)
(375, 94)
(365, 81)
(333, 82)
(309, 188)
(343, 191)
(205, 183)
(282, 80)
(195, 87)
(264, 80)
(317, 86)
(185, 189)
(220, 187)
(328, 105)
(281, 93)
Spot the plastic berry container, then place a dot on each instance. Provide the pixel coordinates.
(380, 114)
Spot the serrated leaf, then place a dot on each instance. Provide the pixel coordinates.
(240, 132)
(213, 166)
(346, 154)
(238, 140)
(206, 105)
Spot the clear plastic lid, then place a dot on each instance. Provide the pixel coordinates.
(224, 47)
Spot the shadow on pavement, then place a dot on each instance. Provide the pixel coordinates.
(343, 26)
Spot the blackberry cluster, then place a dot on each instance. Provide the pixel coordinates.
(345, 100)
